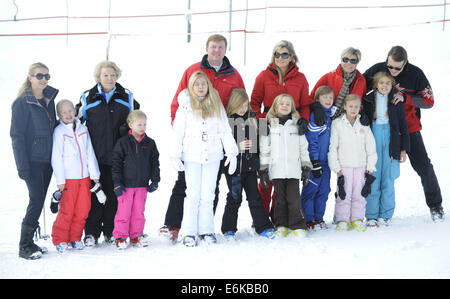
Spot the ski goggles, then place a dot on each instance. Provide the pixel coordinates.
(40, 76)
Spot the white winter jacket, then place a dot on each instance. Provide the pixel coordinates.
(73, 156)
(351, 146)
(200, 140)
(284, 150)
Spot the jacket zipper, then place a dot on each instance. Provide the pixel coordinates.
(79, 152)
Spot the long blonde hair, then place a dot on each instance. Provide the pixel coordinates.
(273, 111)
(376, 79)
(238, 98)
(27, 84)
(211, 105)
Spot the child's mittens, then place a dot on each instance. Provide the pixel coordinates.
(232, 161)
(305, 175)
(177, 164)
(152, 187)
(56, 197)
(317, 168)
(367, 188)
(302, 126)
(341, 190)
(119, 189)
(97, 189)
(320, 118)
(264, 178)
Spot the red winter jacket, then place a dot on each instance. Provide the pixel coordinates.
(335, 81)
(267, 87)
(224, 81)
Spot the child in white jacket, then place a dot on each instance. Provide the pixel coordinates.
(352, 155)
(74, 165)
(285, 154)
(202, 134)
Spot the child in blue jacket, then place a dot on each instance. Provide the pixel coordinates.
(315, 194)
(390, 129)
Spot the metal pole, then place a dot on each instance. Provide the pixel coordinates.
(229, 30)
(245, 33)
(188, 18)
(443, 21)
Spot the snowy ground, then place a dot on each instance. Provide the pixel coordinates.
(152, 63)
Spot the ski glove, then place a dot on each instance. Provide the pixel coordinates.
(152, 187)
(302, 126)
(177, 164)
(320, 118)
(119, 189)
(97, 189)
(364, 120)
(367, 188)
(233, 164)
(305, 175)
(317, 168)
(264, 178)
(341, 191)
(56, 197)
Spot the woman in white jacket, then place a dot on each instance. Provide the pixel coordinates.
(285, 154)
(202, 134)
(352, 155)
(74, 165)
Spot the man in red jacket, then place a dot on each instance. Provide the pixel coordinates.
(415, 93)
(224, 78)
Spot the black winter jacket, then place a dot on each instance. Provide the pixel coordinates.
(134, 162)
(106, 122)
(243, 129)
(32, 128)
(397, 121)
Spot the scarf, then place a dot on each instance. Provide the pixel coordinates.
(345, 90)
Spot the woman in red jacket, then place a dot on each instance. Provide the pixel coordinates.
(346, 79)
(281, 76)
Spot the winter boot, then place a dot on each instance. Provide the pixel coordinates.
(268, 233)
(170, 232)
(89, 241)
(209, 238)
(437, 213)
(140, 241)
(342, 226)
(61, 247)
(300, 233)
(281, 231)
(121, 243)
(371, 223)
(358, 225)
(27, 249)
(78, 245)
(189, 241)
(230, 235)
(383, 221)
(311, 225)
(320, 225)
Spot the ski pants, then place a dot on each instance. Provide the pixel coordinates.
(315, 195)
(74, 208)
(381, 200)
(198, 215)
(288, 205)
(422, 165)
(37, 184)
(247, 181)
(130, 218)
(353, 207)
(174, 213)
(101, 216)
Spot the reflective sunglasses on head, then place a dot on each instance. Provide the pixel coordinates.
(394, 67)
(284, 55)
(40, 76)
(352, 61)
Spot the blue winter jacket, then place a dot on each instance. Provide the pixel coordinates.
(32, 128)
(397, 120)
(319, 138)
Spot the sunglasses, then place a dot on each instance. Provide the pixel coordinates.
(394, 67)
(352, 61)
(40, 76)
(284, 55)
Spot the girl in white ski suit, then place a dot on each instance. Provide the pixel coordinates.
(285, 153)
(202, 134)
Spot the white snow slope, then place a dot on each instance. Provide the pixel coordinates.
(153, 60)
